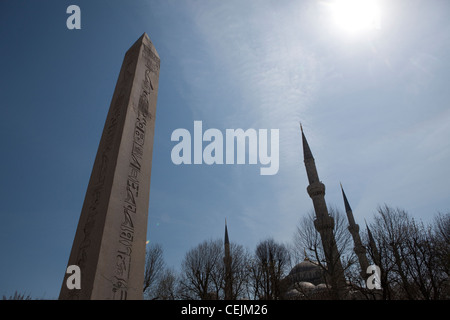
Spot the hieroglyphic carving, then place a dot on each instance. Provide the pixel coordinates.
(109, 241)
(126, 236)
(97, 191)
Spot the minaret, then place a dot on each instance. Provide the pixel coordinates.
(373, 247)
(360, 250)
(227, 263)
(376, 256)
(324, 223)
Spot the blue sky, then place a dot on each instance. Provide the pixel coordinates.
(374, 106)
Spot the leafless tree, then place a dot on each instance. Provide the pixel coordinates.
(201, 271)
(240, 259)
(307, 241)
(167, 286)
(441, 235)
(413, 255)
(18, 296)
(267, 269)
(154, 268)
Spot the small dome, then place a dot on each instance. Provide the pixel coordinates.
(306, 285)
(304, 266)
(306, 271)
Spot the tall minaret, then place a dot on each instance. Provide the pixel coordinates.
(373, 247)
(376, 256)
(227, 263)
(360, 250)
(324, 223)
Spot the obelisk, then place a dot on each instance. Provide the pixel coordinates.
(109, 244)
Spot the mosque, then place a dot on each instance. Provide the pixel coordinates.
(308, 278)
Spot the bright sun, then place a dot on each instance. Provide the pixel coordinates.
(355, 16)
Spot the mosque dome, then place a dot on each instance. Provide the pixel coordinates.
(306, 285)
(306, 272)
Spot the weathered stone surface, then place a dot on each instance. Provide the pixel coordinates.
(109, 244)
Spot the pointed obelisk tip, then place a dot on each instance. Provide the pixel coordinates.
(301, 128)
(144, 38)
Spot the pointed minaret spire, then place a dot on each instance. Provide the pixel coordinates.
(308, 158)
(307, 154)
(373, 247)
(226, 233)
(347, 206)
(227, 261)
(324, 223)
(306, 256)
(360, 250)
(348, 210)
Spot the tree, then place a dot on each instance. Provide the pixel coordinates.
(167, 285)
(267, 269)
(240, 259)
(307, 241)
(413, 255)
(154, 268)
(202, 271)
(18, 296)
(441, 237)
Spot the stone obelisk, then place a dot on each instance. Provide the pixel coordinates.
(109, 244)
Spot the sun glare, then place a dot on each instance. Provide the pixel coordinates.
(355, 16)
